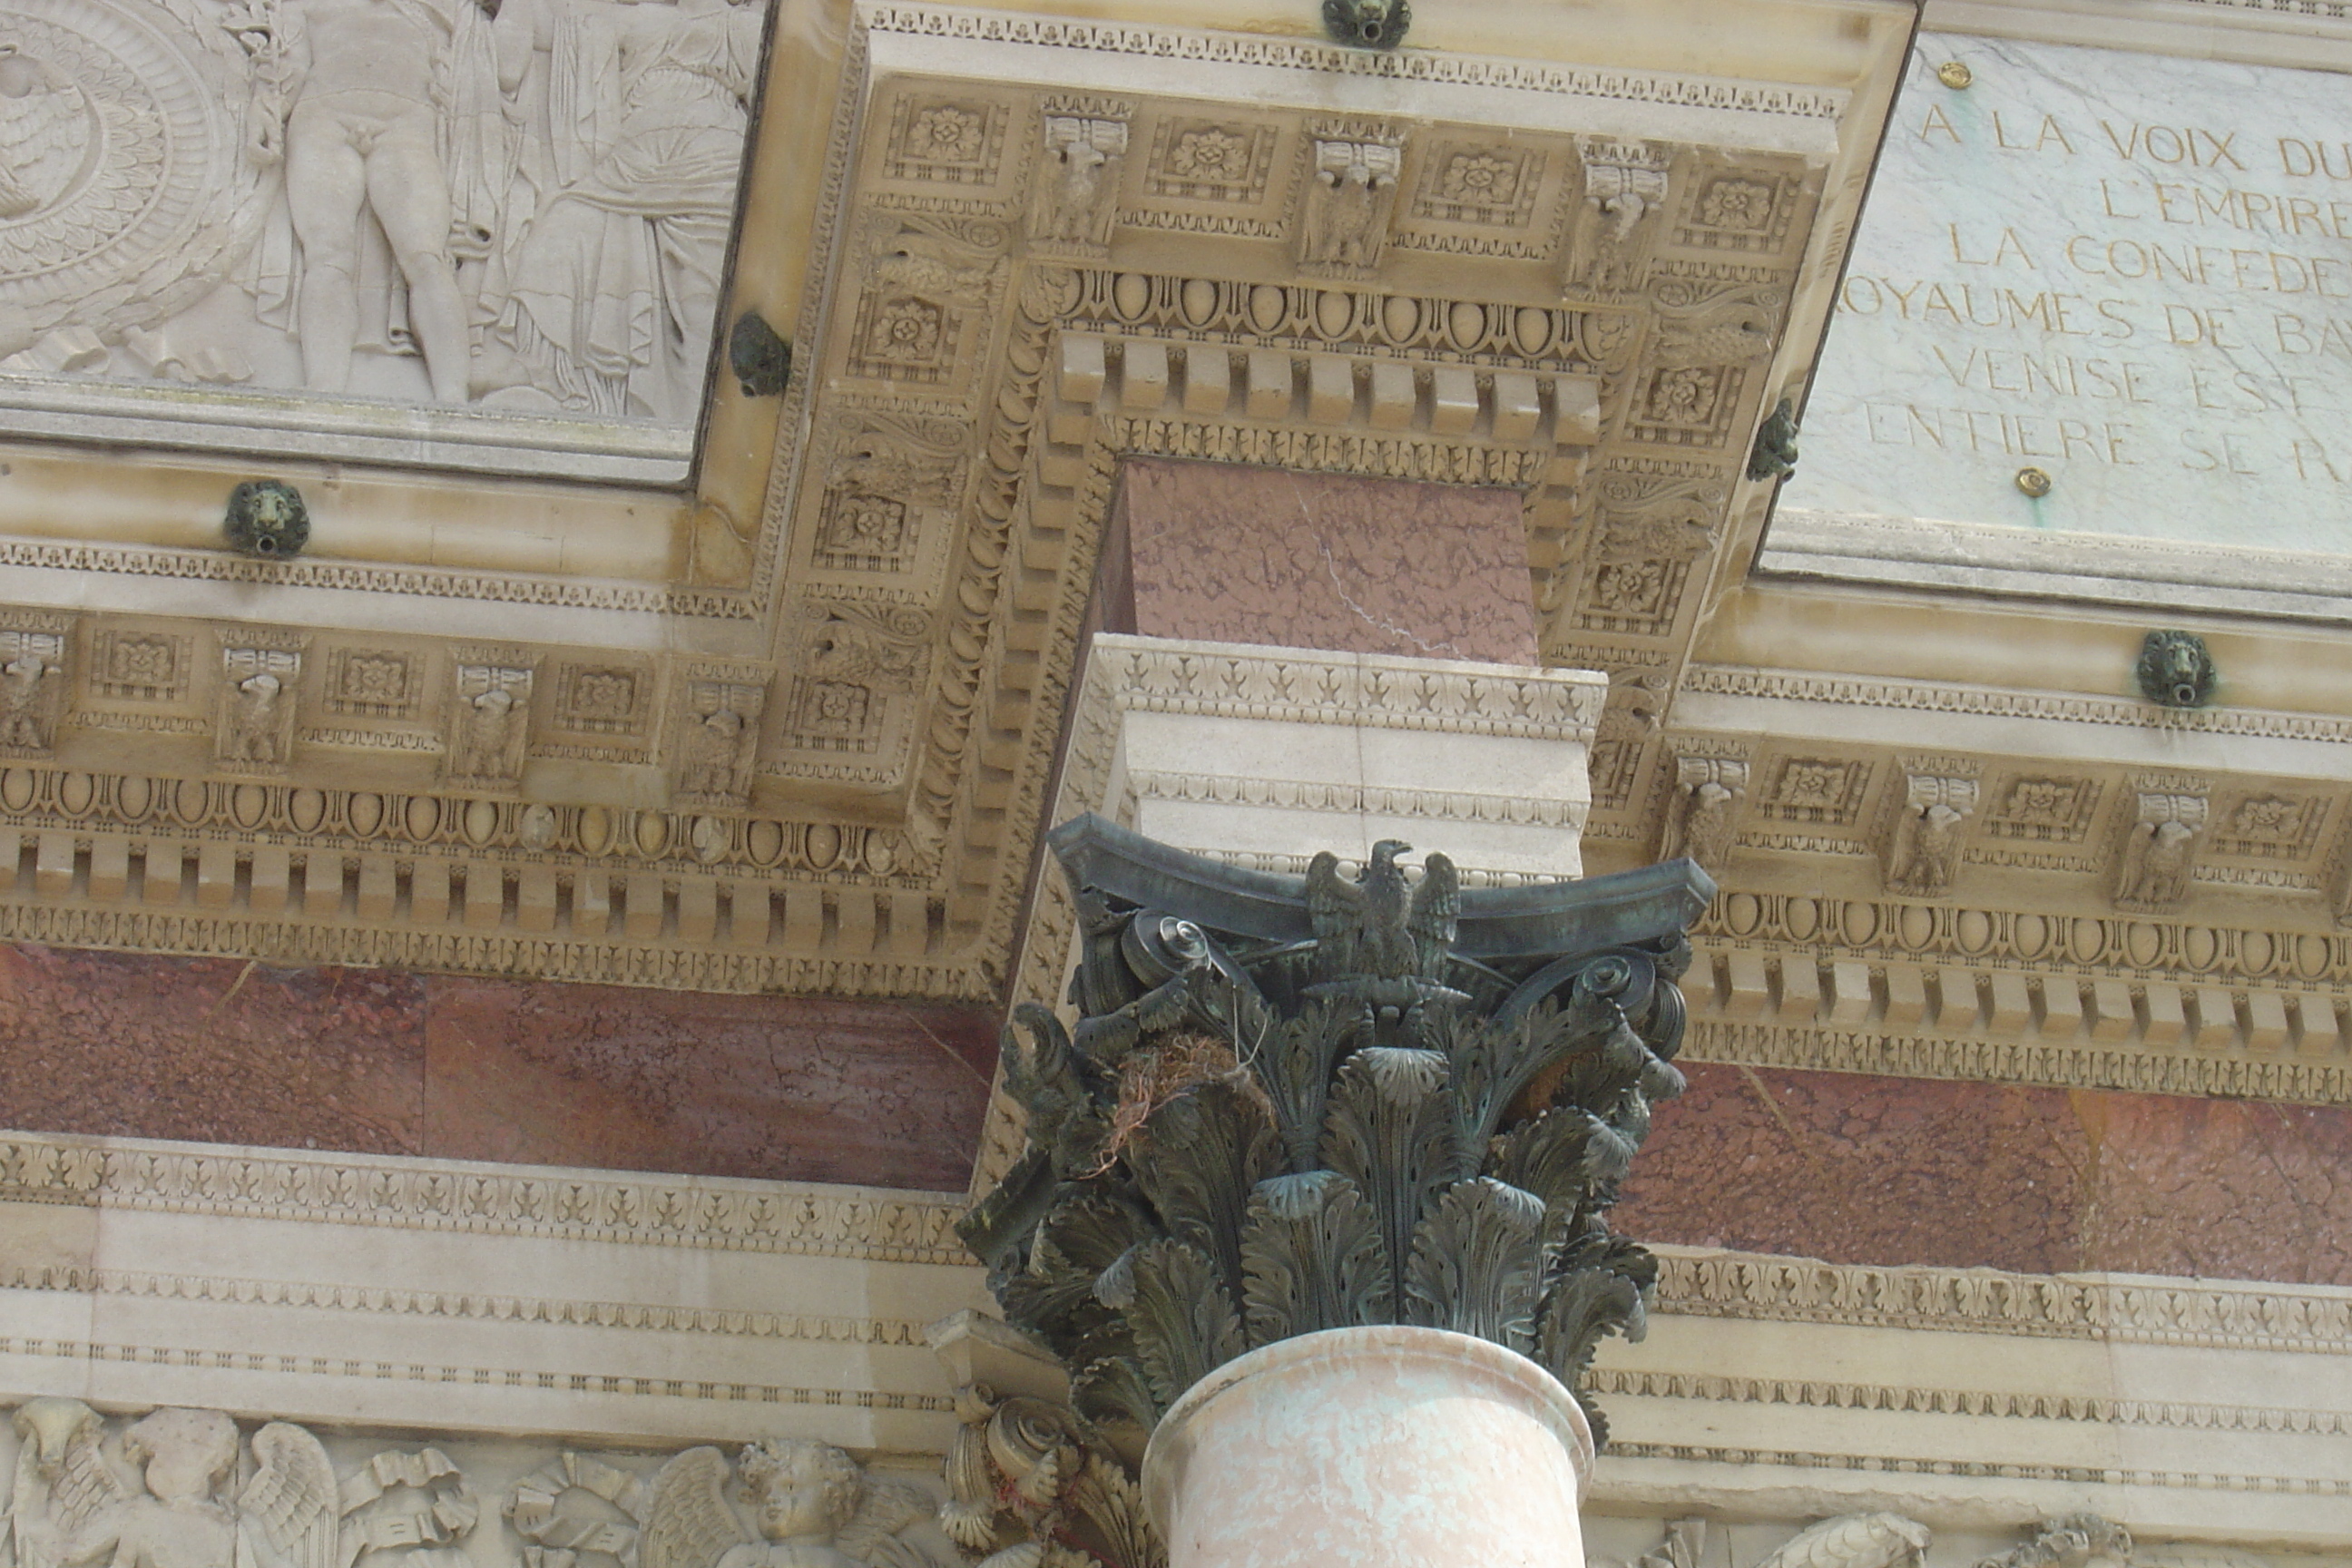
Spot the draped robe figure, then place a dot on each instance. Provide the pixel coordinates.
(612, 290)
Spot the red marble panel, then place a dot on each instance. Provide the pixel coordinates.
(2225, 1188)
(1856, 1169)
(212, 1050)
(1860, 1169)
(1268, 555)
(375, 1061)
(883, 1094)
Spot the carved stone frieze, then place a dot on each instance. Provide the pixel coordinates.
(168, 226)
(2076, 1541)
(1848, 1541)
(719, 711)
(1625, 190)
(259, 689)
(1484, 196)
(1080, 175)
(489, 725)
(196, 1486)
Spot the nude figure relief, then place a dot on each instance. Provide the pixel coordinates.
(521, 205)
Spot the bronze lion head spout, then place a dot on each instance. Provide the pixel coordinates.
(1368, 24)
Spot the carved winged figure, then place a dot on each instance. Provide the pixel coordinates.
(22, 720)
(252, 730)
(63, 1483)
(70, 1508)
(287, 1515)
(1855, 1541)
(47, 123)
(1848, 1541)
(812, 1506)
(1376, 928)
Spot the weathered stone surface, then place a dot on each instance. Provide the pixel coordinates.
(1226, 553)
(1851, 1168)
(379, 1062)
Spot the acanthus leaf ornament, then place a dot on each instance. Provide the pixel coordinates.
(1299, 1103)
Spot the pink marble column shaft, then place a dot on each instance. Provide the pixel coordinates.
(1374, 1447)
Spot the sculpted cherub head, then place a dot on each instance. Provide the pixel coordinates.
(802, 1491)
(185, 1452)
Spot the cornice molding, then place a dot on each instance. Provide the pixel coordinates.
(1436, 805)
(1998, 1405)
(707, 1213)
(2068, 1065)
(511, 1380)
(1998, 702)
(888, 633)
(2310, 1319)
(1366, 690)
(1624, 1450)
(361, 577)
(1322, 59)
(378, 1300)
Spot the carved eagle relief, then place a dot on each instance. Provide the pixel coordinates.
(1378, 927)
(46, 125)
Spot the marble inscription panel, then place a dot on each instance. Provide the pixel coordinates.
(518, 208)
(2132, 273)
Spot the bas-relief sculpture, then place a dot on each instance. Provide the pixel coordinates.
(1886, 1539)
(194, 1489)
(524, 205)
